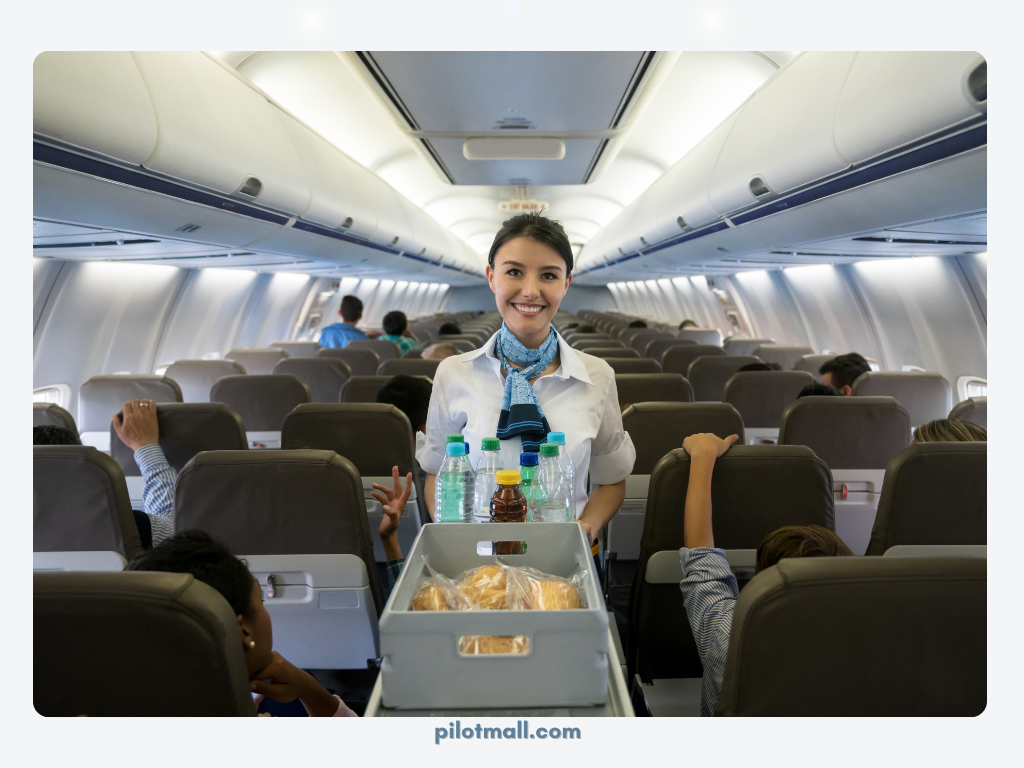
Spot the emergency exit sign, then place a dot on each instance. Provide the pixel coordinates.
(522, 206)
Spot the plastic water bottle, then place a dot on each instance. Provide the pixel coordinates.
(528, 461)
(568, 468)
(487, 468)
(453, 494)
(550, 501)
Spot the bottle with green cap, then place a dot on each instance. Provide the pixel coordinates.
(453, 491)
(568, 467)
(487, 468)
(550, 501)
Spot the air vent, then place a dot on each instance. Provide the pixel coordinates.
(189, 228)
(514, 124)
(977, 82)
(251, 187)
(395, 241)
(759, 187)
(914, 241)
(680, 222)
(94, 243)
(347, 223)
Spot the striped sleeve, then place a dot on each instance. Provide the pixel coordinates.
(709, 593)
(157, 490)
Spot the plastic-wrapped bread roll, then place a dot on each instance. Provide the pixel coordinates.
(430, 598)
(475, 644)
(485, 587)
(553, 595)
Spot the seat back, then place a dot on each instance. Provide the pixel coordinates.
(626, 334)
(301, 502)
(51, 414)
(639, 341)
(386, 350)
(257, 361)
(704, 336)
(762, 396)
(325, 376)
(658, 428)
(413, 354)
(475, 340)
(408, 367)
(656, 347)
(197, 377)
(634, 365)
(708, 374)
(652, 387)
(608, 353)
(364, 389)
(743, 346)
(849, 636)
(973, 409)
(102, 396)
(185, 430)
(80, 502)
(362, 362)
(812, 364)
(784, 356)
(592, 343)
(460, 345)
(261, 400)
(298, 348)
(933, 493)
(677, 359)
(926, 396)
(144, 644)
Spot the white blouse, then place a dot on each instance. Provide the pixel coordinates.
(579, 399)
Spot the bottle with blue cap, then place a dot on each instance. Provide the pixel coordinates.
(528, 461)
(568, 467)
(453, 493)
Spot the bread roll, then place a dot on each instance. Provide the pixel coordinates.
(553, 595)
(471, 644)
(485, 587)
(430, 598)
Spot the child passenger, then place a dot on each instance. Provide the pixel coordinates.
(709, 586)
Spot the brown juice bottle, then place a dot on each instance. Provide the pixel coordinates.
(508, 505)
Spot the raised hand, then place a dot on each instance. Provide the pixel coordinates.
(707, 444)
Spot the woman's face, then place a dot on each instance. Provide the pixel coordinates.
(529, 280)
(257, 629)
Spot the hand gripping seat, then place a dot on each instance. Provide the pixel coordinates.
(362, 362)
(656, 429)
(257, 361)
(812, 364)
(386, 350)
(634, 365)
(677, 359)
(656, 347)
(785, 356)
(51, 414)
(851, 636)
(933, 493)
(755, 490)
(652, 388)
(364, 389)
(856, 437)
(197, 377)
(926, 396)
(407, 367)
(325, 376)
(708, 374)
(133, 644)
(298, 348)
(703, 336)
(102, 396)
(375, 437)
(743, 346)
(262, 401)
(80, 502)
(973, 409)
(761, 397)
(607, 353)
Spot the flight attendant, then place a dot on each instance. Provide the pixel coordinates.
(526, 380)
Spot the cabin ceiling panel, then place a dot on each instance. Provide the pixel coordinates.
(571, 169)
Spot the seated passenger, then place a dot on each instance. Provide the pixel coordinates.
(340, 334)
(437, 351)
(138, 428)
(410, 395)
(449, 329)
(840, 372)
(396, 329)
(688, 324)
(817, 389)
(210, 562)
(393, 501)
(49, 434)
(949, 431)
(760, 367)
(637, 324)
(709, 586)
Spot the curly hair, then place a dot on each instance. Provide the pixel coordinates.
(799, 541)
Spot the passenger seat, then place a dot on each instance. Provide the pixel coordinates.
(51, 414)
(364, 389)
(926, 396)
(362, 362)
(633, 365)
(102, 396)
(786, 357)
(262, 401)
(652, 388)
(257, 361)
(761, 397)
(677, 359)
(973, 409)
(407, 367)
(708, 374)
(197, 377)
(744, 346)
(386, 350)
(325, 376)
(300, 349)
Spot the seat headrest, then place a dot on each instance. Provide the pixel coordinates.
(386, 350)
(755, 489)
(408, 367)
(639, 341)
(298, 348)
(677, 359)
(364, 389)
(325, 376)
(374, 436)
(847, 432)
(744, 346)
(933, 493)
(634, 365)
(261, 400)
(608, 353)
(362, 362)
(656, 347)
(657, 428)
(785, 356)
(197, 377)
(102, 396)
(257, 361)
(709, 373)
(855, 636)
(80, 502)
(708, 336)
(812, 364)
(762, 396)
(652, 387)
(973, 409)
(185, 430)
(134, 643)
(926, 396)
(51, 414)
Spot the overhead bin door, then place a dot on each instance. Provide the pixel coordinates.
(783, 136)
(895, 97)
(392, 222)
(94, 100)
(217, 132)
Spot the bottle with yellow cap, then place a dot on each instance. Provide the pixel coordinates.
(508, 505)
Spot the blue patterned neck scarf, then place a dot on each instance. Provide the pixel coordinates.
(521, 414)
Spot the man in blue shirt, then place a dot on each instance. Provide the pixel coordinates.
(340, 334)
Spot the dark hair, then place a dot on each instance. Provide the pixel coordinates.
(637, 324)
(949, 431)
(817, 389)
(799, 541)
(449, 329)
(536, 227)
(688, 324)
(845, 369)
(395, 323)
(760, 367)
(410, 395)
(351, 309)
(585, 328)
(212, 563)
(49, 434)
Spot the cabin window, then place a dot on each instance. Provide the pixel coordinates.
(58, 394)
(162, 369)
(971, 386)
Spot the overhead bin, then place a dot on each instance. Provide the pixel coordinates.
(94, 100)
(218, 132)
(895, 97)
(393, 228)
(783, 136)
(426, 241)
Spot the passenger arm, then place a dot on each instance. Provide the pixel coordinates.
(703, 448)
(138, 428)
